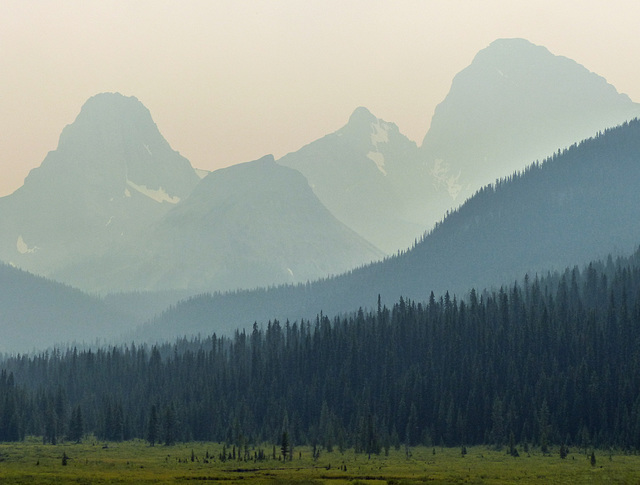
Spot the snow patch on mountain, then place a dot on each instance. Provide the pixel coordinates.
(23, 248)
(443, 178)
(378, 159)
(159, 195)
(380, 133)
(201, 173)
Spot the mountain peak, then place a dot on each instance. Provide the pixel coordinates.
(366, 173)
(523, 59)
(362, 115)
(267, 159)
(512, 43)
(111, 174)
(515, 103)
(365, 126)
(115, 141)
(112, 100)
(109, 118)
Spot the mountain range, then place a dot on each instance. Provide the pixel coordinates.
(110, 210)
(578, 205)
(253, 224)
(114, 208)
(514, 104)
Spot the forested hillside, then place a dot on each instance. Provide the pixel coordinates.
(553, 359)
(37, 313)
(578, 205)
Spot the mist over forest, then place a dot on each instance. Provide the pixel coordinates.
(364, 291)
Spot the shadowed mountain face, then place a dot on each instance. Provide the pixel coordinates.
(577, 206)
(252, 224)
(516, 103)
(368, 175)
(112, 174)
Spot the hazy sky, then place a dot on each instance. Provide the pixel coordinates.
(231, 81)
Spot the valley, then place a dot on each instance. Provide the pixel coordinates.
(466, 309)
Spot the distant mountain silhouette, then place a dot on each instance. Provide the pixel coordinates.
(36, 313)
(111, 175)
(115, 208)
(368, 175)
(579, 205)
(249, 225)
(516, 103)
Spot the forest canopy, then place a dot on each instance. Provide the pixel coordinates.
(546, 360)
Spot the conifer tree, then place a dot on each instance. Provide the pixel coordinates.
(152, 426)
(284, 445)
(76, 425)
(170, 426)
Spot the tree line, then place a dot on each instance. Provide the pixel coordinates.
(551, 359)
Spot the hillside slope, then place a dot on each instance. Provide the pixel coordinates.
(253, 224)
(579, 205)
(36, 313)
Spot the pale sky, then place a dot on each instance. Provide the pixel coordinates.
(231, 81)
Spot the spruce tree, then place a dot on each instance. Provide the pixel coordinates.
(170, 427)
(76, 425)
(284, 445)
(152, 426)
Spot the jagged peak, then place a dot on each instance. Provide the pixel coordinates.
(365, 123)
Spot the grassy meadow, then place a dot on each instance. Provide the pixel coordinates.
(93, 462)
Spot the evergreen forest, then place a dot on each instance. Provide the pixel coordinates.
(550, 359)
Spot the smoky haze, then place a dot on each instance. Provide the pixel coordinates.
(230, 82)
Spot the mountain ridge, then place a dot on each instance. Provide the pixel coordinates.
(366, 173)
(37, 313)
(252, 224)
(591, 198)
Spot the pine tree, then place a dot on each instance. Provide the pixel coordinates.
(50, 424)
(170, 426)
(152, 426)
(284, 445)
(411, 431)
(76, 425)
(372, 444)
(563, 451)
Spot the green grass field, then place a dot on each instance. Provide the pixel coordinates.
(136, 462)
